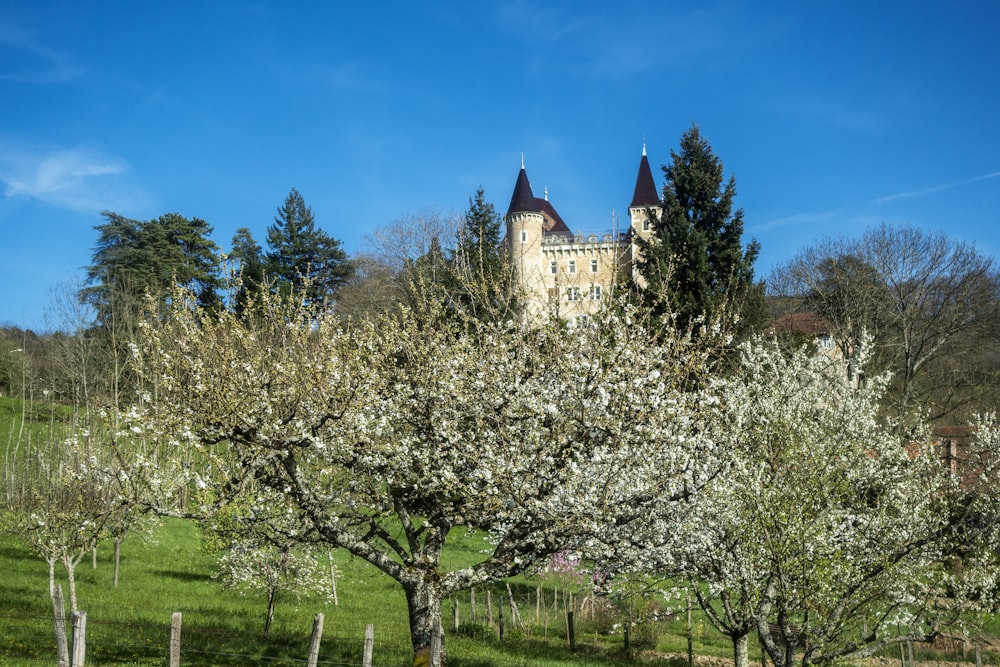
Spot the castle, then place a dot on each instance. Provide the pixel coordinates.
(571, 274)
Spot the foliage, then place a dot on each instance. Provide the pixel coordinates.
(695, 256)
(302, 256)
(248, 258)
(132, 257)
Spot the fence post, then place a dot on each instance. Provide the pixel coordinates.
(59, 609)
(500, 616)
(979, 655)
(314, 642)
(570, 631)
(690, 633)
(366, 660)
(175, 639)
(79, 639)
(455, 619)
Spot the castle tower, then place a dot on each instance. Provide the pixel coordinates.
(645, 199)
(525, 224)
(644, 210)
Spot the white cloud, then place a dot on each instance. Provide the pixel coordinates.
(934, 188)
(82, 179)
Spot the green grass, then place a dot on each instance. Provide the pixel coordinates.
(169, 572)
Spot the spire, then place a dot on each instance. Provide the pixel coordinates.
(645, 193)
(522, 200)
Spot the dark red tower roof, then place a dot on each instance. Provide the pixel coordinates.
(645, 194)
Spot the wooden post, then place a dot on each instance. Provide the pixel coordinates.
(472, 603)
(515, 615)
(538, 603)
(366, 660)
(79, 656)
(979, 656)
(500, 616)
(628, 645)
(454, 614)
(570, 631)
(333, 581)
(59, 609)
(175, 639)
(317, 635)
(690, 633)
(489, 608)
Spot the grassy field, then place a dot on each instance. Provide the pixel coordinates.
(168, 572)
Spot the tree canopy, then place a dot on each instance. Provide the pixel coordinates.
(132, 257)
(696, 260)
(300, 253)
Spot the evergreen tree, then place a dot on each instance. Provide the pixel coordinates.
(696, 260)
(132, 257)
(250, 258)
(300, 253)
(481, 267)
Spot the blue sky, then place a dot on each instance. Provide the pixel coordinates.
(833, 116)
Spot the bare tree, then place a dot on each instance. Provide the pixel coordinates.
(929, 302)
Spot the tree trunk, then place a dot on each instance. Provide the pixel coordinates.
(741, 652)
(423, 602)
(118, 558)
(70, 566)
(272, 595)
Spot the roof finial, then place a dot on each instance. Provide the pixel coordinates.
(644, 145)
(522, 159)
(546, 193)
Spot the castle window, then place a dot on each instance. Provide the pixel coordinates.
(593, 266)
(553, 267)
(572, 293)
(595, 292)
(524, 236)
(572, 266)
(645, 225)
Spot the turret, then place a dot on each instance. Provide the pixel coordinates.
(645, 199)
(525, 225)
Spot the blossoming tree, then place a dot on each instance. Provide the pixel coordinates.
(382, 436)
(827, 532)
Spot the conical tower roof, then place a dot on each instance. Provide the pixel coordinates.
(645, 194)
(522, 200)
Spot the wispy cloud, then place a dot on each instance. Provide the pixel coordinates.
(82, 179)
(935, 188)
(25, 58)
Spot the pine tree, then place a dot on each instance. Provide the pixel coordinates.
(481, 266)
(250, 258)
(300, 253)
(696, 259)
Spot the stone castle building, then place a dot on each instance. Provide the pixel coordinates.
(567, 273)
